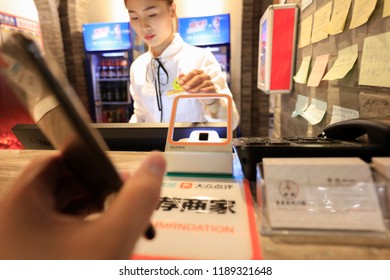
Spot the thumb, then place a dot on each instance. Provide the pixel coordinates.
(129, 214)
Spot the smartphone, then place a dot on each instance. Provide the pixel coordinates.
(46, 93)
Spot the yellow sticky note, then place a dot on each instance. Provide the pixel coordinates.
(386, 8)
(339, 16)
(318, 70)
(362, 10)
(301, 76)
(346, 58)
(321, 20)
(375, 64)
(305, 31)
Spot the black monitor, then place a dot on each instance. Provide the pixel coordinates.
(121, 136)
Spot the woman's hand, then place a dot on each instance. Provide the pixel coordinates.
(31, 227)
(196, 82)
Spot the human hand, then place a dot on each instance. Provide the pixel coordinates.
(196, 82)
(32, 228)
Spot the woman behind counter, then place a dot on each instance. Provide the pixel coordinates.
(171, 67)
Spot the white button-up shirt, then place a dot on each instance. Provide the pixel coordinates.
(178, 58)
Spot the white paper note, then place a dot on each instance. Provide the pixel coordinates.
(315, 112)
(301, 105)
(341, 114)
(306, 3)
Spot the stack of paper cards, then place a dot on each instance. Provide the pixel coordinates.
(321, 194)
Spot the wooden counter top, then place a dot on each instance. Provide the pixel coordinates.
(276, 247)
(13, 161)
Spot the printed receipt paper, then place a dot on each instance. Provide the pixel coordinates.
(321, 194)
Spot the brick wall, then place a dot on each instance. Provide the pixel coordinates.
(61, 24)
(254, 104)
(346, 92)
(73, 13)
(51, 30)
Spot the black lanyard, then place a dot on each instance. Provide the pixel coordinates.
(157, 84)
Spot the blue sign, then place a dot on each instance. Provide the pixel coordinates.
(107, 36)
(203, 31)
(7, 19)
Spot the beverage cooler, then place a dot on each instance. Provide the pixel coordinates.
(212, 32)
(109, 52)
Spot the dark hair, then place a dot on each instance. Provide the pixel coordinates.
(170, 2)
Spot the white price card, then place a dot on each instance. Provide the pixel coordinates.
(321, 194)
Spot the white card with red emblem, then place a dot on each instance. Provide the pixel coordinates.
(321, 193)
